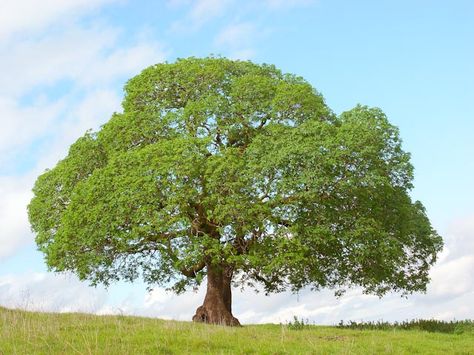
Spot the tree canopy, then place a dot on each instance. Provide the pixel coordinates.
(235, 169)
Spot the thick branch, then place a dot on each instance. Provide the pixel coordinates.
(201, 224)
(192, 272)
(160, 237)
(242, 245)
(281, 221)
(269, 284)
(262, 123)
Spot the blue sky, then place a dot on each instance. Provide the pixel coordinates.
(63, 65)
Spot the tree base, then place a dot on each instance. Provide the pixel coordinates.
(214, 315)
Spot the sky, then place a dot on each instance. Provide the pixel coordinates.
(63, 65)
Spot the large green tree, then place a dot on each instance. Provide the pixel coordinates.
(239, 174)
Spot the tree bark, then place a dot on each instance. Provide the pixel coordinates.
(217, 306)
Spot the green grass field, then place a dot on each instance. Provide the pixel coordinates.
(49, 333)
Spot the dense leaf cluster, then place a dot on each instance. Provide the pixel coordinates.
(220, 162)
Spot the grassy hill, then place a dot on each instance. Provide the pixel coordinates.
(50, 333)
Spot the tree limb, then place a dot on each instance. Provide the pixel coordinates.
(192, 272)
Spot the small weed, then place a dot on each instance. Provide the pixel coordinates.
(298, 324)
(462, 327)
(428, 325)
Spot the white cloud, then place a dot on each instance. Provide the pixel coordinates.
(453, 278)
(93, 110)
(285, 4)
(62, 126)
(31, 15)
(460, 237)
(87, 59)
(125, 62)
(50, 292)
(23, 124)
(200, 12)
(234, 35)
(67, 55)
(83, 56)
(55, 85)
(238, 39)
(14, 227)
(205, 10)
(164, 304)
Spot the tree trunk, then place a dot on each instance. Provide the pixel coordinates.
(217, 306)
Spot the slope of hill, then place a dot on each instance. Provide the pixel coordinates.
(51, 333)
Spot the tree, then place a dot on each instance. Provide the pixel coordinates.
(236, 173)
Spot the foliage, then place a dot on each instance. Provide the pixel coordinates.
(429, 325)
(230, 163)
(49, 333)
(297, 324)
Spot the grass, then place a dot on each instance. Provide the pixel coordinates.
(51, 333)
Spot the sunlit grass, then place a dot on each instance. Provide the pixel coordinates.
(50, 333)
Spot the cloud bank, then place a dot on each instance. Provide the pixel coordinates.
(452, 285)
